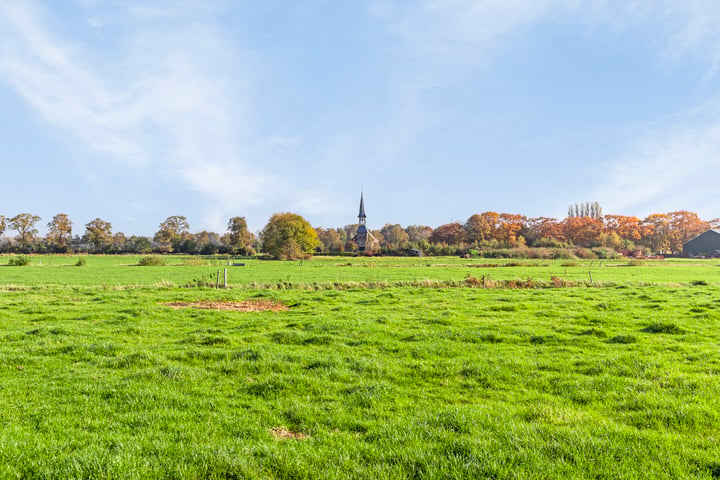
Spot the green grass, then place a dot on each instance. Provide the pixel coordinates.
(115, 271)
(99, 379)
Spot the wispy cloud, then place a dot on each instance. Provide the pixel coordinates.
(173, 98)
(666, 163)
(670, 166)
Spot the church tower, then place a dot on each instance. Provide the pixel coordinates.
(361, 236)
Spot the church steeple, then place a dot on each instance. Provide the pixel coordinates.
(361, 215)
(361, 236)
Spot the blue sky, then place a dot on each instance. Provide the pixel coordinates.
(133, 111)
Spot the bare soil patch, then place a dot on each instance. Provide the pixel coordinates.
(283, 433)
(241, 306)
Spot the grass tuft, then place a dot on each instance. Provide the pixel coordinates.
(669, 328)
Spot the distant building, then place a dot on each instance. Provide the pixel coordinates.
(362, 236)
(706, 244)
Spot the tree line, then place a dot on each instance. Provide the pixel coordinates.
(585, 226)
(173, 236)
(288, 235)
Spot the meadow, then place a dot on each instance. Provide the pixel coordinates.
(378, 367)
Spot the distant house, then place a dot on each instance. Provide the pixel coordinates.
(706, 244)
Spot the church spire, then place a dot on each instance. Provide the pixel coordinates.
(361, 236)
(361, 215)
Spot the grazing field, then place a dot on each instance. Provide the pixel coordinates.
(360, 368)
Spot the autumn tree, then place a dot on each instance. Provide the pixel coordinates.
(448, 234)
(394, 236)
(288, 236)
(543, 229)
(626, 227)
(684, 225)
(656, 232)
(171, 230)
(418, 233)
(207, 243)
(330, 239)
(2, 225)
(240, 239)
(582, 231)
(119, 242)
(59, 231)
(99, 233)
(24, 224)
(481, 227)
(509, 226)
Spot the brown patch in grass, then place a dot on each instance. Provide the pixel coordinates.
(242, 306)
(283, 433)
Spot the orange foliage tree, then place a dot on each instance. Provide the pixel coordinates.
(684, 226)
(656, 232)
(543, 228)
(481, 227)
(582, 231)
(448, 234)
(509, 227)
(627, 228)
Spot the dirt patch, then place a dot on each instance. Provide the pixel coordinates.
(243, 306)
(283, 433)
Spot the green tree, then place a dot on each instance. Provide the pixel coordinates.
(240, 239)
(99, 233)
(59, 231)
(24, 224)
(140, 244)
(171, 231)
(288, 236)
(2, 225)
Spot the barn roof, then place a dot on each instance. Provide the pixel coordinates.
(713, 230)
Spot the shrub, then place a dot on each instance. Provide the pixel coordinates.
(562, 253)
(19, 261)
(151, 261)
(604, 253)
(584, 253)
(81, 262)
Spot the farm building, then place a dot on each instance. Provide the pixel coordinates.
(705, 244)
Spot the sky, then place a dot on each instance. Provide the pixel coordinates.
(136, 110)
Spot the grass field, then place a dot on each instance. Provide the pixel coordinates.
(379, 368)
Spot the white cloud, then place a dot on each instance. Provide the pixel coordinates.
(171, 97)
(671, 166)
